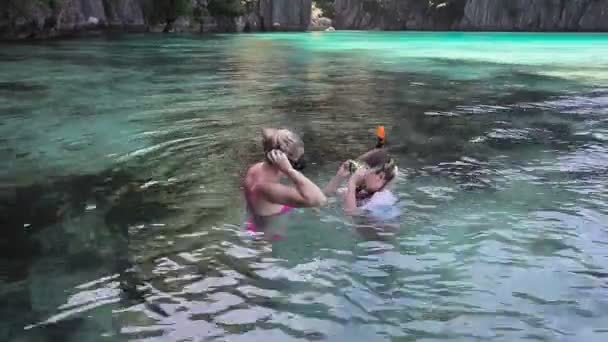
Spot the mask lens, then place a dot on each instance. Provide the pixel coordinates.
(299, 164)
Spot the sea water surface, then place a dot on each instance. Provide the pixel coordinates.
(122, 215)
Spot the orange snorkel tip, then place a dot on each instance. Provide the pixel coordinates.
(381, 134)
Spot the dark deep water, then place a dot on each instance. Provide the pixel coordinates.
(121, 212)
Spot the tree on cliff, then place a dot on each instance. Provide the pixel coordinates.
(27, 18)
(327, 7)
(166, 11)
(24, 8)
(226, 8)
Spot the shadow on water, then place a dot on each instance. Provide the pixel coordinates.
(11, 87)
(41, 224)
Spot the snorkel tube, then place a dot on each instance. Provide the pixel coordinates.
(376, 157)
(371, 158)
(391, 163)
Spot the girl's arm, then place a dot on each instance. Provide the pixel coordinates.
(337, 180)
(350, 198)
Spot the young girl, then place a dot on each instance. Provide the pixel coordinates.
(368, 188)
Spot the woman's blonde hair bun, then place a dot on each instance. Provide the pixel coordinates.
(281, 139)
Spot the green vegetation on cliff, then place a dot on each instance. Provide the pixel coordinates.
(25, 7)
(327, 7)
(226, 8)
(166, 11)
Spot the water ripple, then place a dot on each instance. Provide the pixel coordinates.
(121, 185)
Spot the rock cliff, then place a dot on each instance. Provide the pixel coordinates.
(474, 15)
(285, 15)
(48, 18)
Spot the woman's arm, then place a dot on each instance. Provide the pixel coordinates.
(305, 194)
(309, 191)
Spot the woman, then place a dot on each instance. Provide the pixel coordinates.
(368, 188)
(268, 199)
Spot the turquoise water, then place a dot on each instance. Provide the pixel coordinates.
(122, 214)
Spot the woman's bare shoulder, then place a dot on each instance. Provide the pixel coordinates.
(252, 172)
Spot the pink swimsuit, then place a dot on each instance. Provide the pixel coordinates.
(255, 223)
(252, 227)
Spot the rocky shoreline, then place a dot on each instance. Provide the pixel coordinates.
(41, 19)
(32, 19)
(473, 15)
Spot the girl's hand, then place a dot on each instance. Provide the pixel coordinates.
(343, 171)
(359, 176)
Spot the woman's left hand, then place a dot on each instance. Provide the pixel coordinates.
(280, 160)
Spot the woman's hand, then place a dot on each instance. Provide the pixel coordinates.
(280, 160)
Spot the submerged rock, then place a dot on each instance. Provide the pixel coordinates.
(26, 211)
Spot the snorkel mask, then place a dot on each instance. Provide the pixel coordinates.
(390, 171)
(287, 142)
(299, 164)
